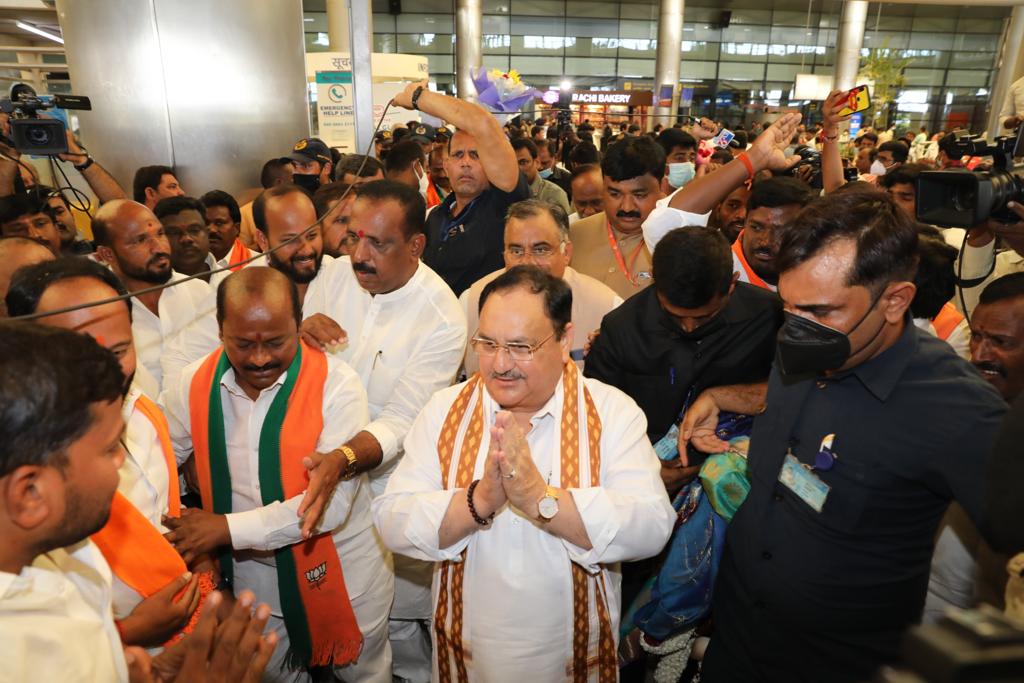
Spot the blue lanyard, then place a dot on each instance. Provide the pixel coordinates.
(454, 226)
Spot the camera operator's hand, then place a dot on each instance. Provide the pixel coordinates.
(1012, 233)
(404, 98)
(1013, 122)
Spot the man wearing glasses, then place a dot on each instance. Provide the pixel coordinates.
(526, 485)
(537, 233)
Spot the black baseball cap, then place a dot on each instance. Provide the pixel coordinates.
(383, 136)
(310, 149)
(423, 132)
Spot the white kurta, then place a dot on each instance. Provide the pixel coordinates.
(185, 330)
(56, 620)
(404, 345)
(518, 581)
(143, 480)
(257, 529)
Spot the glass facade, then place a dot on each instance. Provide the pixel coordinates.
(733, 68)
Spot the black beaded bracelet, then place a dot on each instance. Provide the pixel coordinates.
(472, 508)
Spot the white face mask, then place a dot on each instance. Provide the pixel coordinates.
(680, 174)
(878, 168)
(424, 181)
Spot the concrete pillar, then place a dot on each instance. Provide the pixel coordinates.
(666, 65)
(1011, 63)
(337, 25)
(213, 88)
(468, 46)
(849, 43)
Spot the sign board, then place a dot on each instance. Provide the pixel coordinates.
(334, 108)
(665, 95)
(382, 94)
(631, 98)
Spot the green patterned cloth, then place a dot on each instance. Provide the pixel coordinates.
(724, 478)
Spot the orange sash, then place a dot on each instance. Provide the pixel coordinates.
(433, 196)
(946, 321)
(752, 277)
(448, 632)
(136, 551)
(321, 625)
(238, 253)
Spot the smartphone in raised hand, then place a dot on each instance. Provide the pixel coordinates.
(857, 99)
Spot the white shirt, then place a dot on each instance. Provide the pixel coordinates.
(664, 218)
(185, 330)
(573, 217)
(404, 345)
(518, 583)
(316, 284)
(143, 480)
(214, 263)
(591, 301)
(1013, 104)
(57, 622)
(257, 529)
(959, 338)
(977, 261)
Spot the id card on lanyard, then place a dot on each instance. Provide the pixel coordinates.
(627, 271)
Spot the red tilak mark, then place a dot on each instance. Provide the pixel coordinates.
(361, 234)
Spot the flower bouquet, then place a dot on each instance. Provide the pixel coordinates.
(503, 94)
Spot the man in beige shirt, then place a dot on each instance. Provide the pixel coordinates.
(537, 233)
(609, 246)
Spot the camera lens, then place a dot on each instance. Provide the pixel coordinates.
(38, 135)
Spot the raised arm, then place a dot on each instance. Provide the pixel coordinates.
(496, 154)
(768, 152)
(831, 160)
(102, 183)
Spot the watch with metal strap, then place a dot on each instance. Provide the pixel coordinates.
(416, 97)
(547, 506)
(352, 465)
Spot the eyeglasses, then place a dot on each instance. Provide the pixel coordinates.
(541, 251)
(519, 352)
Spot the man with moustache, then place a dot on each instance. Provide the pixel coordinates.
(772, 204)
(731, 213)
(965, 570)
(324, 576)
(185, 227)
(334, 227)
(288, 234)
(223, 220)
(609, 246)
(26, 215)
(464, 232)
(152, 604)
(404, 335)
(172, 326)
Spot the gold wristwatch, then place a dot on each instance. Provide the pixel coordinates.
(352, 465)
(547, 506)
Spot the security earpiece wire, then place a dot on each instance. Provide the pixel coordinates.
(305, 231)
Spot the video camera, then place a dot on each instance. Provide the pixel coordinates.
(959, 198)
(812, 157)
(31, 134)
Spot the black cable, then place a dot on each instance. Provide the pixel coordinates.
(214, 271)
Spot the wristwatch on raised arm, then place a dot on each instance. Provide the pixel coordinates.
(547, 506)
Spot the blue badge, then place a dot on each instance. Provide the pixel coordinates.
(799, 479)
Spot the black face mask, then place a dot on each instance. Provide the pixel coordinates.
(307, 181)
(806, 347)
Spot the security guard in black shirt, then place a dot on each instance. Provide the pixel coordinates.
(465, 233)
(869, 430)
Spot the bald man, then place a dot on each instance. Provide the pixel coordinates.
(148, 613)
(172, 326)
(16, 252)
(329, 591)
(587, 192)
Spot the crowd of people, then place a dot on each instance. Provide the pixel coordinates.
(507, 399)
